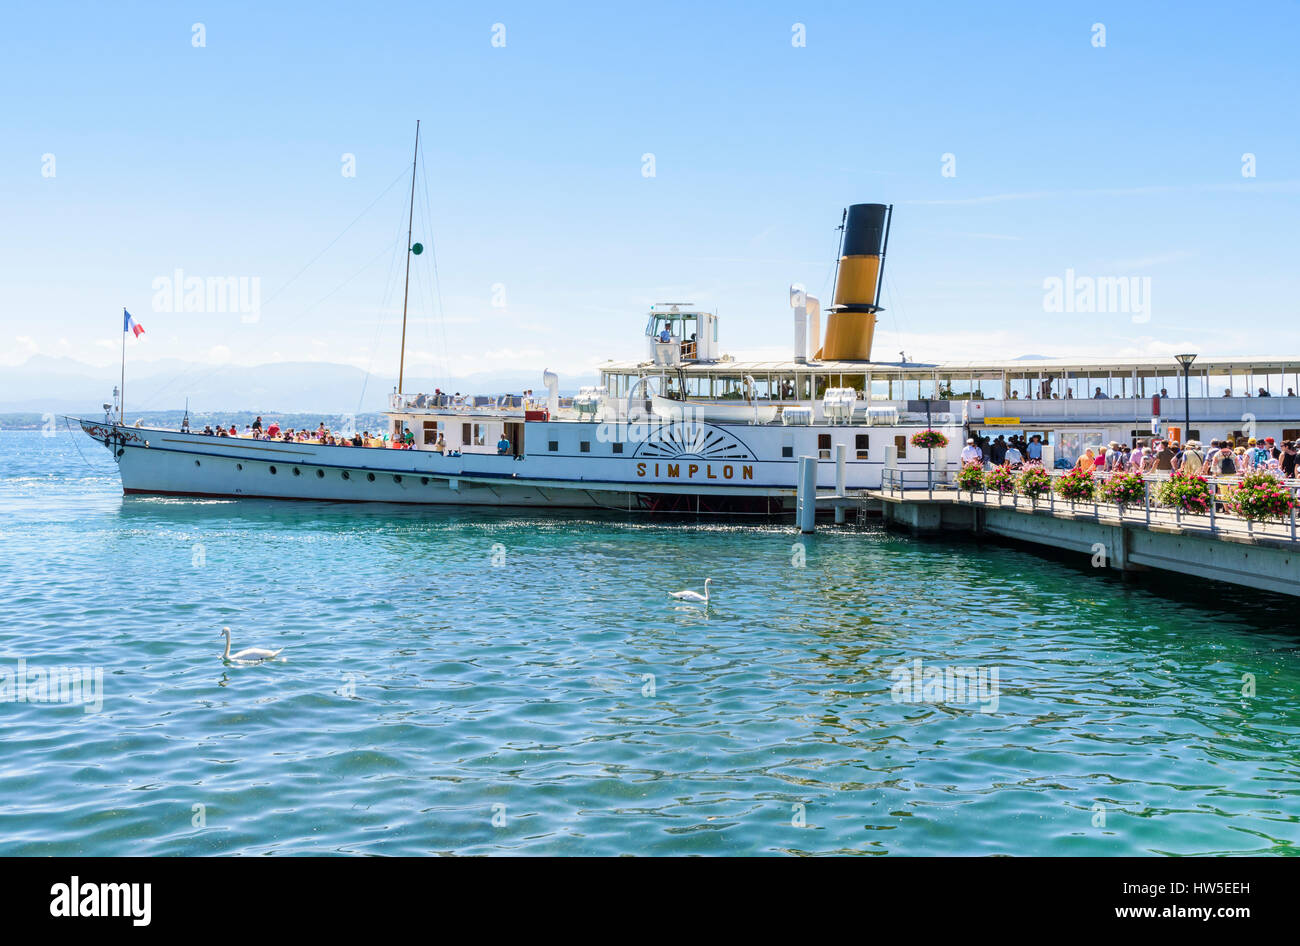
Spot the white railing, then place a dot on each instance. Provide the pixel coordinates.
(897, 480)
(1218, 520)
(469, 404)
(1172, 409)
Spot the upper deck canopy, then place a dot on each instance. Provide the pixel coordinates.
(1017, 377)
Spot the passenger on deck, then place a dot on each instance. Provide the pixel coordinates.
(441, 445)
(503, 445)
(665, 335)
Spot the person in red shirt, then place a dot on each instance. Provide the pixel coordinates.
(273, 431)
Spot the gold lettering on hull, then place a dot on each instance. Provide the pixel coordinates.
(674, 471)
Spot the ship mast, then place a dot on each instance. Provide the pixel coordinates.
(410, 218)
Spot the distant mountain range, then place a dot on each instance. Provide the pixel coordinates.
(64, 385)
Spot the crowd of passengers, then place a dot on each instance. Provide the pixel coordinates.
(322, 436)
(1219, 458)
(1099, 395)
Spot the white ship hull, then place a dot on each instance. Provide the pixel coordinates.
(715, 411)
(739, 469)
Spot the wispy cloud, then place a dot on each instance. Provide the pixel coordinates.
(974, 236)
(1145, 262)
(1243, 186)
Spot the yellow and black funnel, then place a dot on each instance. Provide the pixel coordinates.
(852, 320)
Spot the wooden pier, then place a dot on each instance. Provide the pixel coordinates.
(1225, 548)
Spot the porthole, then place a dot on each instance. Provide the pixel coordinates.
(424, 481)
(397, 479)
(297, 472)
(369, 476)
(196, 462)
(273, 471)
(346, 475)
(122, 453)
(320, 474)
(239, 466)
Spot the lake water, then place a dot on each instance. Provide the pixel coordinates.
(520, 682)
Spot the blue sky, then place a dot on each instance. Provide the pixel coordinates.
(225, 161)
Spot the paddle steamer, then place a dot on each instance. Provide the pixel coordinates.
(687, 428)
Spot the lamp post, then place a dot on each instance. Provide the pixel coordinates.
(1186, 362)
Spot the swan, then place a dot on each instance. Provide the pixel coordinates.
(693, 595)
(251, 655)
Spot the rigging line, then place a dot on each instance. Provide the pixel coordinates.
(223, 366)
(76, 442)
(895, 298)
(425, 292)
(189, 370)
(437, 280)
(336, 239)
(830, 271)
(389, 286)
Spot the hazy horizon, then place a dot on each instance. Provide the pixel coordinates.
(571, 175)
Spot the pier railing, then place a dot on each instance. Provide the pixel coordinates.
(1218, 518)
(469, 404)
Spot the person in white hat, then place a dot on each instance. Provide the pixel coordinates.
(971, 453)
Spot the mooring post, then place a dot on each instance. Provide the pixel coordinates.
(841, 479)
(807, 495)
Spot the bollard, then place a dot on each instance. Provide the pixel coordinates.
(841, 479)
(891, 466)
(807, 495)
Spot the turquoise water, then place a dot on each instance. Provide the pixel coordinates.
(559, 702)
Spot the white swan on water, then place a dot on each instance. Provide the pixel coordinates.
(693, 595)
(251, 654)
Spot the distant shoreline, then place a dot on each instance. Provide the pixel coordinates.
(370, 420)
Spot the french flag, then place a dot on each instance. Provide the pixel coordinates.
(131, 325)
